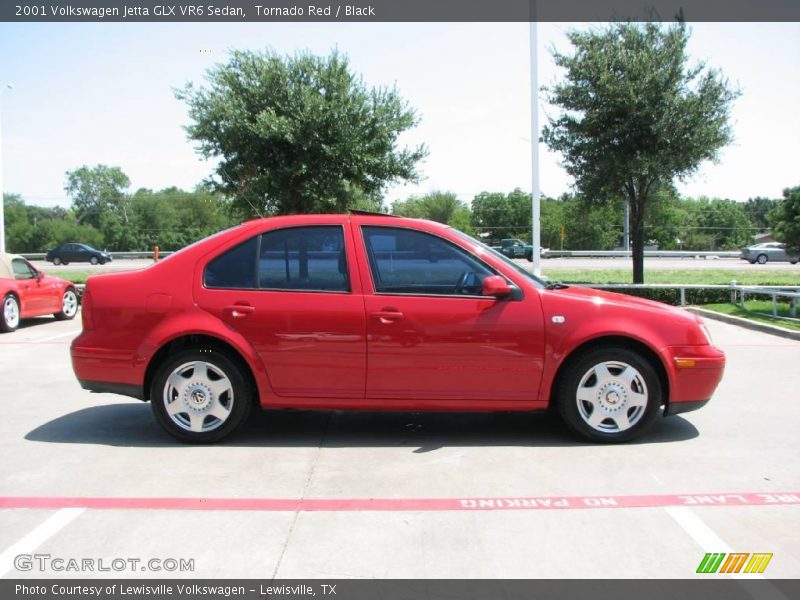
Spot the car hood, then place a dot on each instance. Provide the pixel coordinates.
(602, 297)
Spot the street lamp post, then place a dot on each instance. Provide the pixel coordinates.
(2, 203)
(535, 193)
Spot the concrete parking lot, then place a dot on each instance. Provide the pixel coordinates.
(339, 495)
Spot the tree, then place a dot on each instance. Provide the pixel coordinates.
(442, 207)
(97, 190)
(758, 210)
(299, 134)
(787, 219)
(503, 216)
(635, 116)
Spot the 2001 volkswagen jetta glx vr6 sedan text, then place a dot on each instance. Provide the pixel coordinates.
(377, 312)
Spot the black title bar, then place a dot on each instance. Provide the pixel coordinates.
(242, 11)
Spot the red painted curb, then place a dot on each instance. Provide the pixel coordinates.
(402, 504)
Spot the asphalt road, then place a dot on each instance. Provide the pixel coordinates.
(548, 264)
(340, 495)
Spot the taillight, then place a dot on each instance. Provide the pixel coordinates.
(87, 320)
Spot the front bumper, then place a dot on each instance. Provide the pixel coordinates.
(694, 373)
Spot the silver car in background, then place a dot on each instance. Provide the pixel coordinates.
(768, 251)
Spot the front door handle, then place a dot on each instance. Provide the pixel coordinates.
(388, 315)
(238, 311)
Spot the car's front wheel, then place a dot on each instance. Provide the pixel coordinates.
(9, 319)
(762, 259)
(609, 395)
(94, 260)
(200, 396)
(69, 305)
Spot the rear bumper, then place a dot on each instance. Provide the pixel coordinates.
(694, 373)
(99, 367)
(676, 408)
(110, 387)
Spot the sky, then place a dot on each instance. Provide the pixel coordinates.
(89, 93)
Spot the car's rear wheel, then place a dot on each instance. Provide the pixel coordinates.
(9, 319)
(200, 396)
(56, 261)
(69, 305)
(94, 260)
(609, 395)
(762, 259)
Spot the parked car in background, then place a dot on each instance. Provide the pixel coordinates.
(768, 252)
(516, 248)
(27, 292)
(376, 312)
(67, 253)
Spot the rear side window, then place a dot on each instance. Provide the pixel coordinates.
(303, 258)
(235, 269)
(296, 258)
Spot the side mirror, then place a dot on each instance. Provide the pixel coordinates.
(496, 286)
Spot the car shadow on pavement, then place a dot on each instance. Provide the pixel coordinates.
(133, 425)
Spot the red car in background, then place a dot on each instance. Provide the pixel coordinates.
(27, 292)
(376, 312)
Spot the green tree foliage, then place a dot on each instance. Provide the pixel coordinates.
(443, 207)
(299, 134)
(38, 229)
(635, 117)
(502, 215)
(758, 210)
(787, 219)
(173, 218)
(97, 190)
(726, 222)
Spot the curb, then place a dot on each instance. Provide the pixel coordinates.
(746, 323)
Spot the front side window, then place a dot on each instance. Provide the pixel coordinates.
(404, 261)
(22, 270)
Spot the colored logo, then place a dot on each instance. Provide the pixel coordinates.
(735, 562)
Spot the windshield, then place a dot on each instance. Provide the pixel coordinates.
(501, 257)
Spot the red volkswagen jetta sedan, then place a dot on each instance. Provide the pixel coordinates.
(376, 312)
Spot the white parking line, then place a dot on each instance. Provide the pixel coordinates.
(38, 536)
(55, 337)
(711, 542)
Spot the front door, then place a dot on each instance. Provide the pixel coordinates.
(290, 294)
(433, 336)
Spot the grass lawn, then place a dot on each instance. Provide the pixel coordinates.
(698, 276)
(757, 310)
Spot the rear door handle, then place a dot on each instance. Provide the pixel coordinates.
(388, 315)
(238, 311)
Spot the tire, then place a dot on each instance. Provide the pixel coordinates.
(619, 383)
(56, 260)
(201, 413)
(752, 262)
(9, 313)
(102, 261)
(94, 260)
(762, 259)
(69, 305)
(793, 262)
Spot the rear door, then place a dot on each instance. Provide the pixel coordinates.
(292, 294)
(432, 336)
